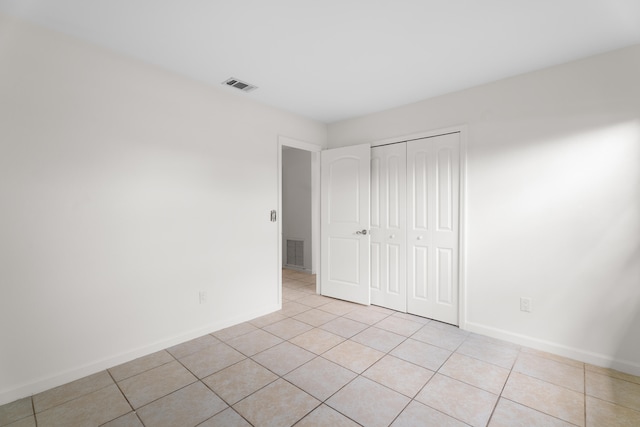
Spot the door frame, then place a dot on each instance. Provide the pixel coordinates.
(462, 248)
(285, 141)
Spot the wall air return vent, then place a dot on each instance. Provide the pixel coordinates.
(239, 84)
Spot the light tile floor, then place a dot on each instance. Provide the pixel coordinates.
(325, 362)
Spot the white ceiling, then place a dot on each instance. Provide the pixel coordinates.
(335, 59)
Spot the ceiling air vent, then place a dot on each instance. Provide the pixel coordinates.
(239, 84)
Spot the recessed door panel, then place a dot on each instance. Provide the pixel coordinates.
(341, 272)
(420, 273)
(444, 275)
(344, 187)
(394, 286)
(419, 200)
(375, 192)
(375, 266)
(444, 188)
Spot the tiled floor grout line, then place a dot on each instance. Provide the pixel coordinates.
(123, 395)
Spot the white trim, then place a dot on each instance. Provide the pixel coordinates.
(419, 135)
(596, 359)
(55, 380)
(285, 141)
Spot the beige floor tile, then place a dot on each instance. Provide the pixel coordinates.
(419, 415)
(314, 300)
(412, 317)
(29, 421)
(551, 371)
(381, 309)
(399, 375)
(475, 372)
(344, 327)
(324, 416)
(15, 411)
(512, 414)
(399, 326)
(211, 360)
(283, 358)
(186, 348)
(500, 355)
(545, 397)
(268, 319)
(287, 328)
(254, 342)
(292, 295)
(495, 341)
(458, 400)
(614, 390)
(366, 315)
(613, 373)
(379, 339)
(226, 418)
(340, 308)
(448, 338)
(279, 404)
(601, 413)
(320, 377)
(292, 308)
(317, 340)
(422, 354)
(186, 407)
(128, 420)
(315, 317)
(309, 290)
(64, 393)
(240, 380)
(368, 403)
(139, 365)
(552, 356)
(354, 356)
(91, 409)
(234, 331)
(155, 383)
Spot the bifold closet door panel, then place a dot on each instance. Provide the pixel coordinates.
(388, 226)
(433, 186)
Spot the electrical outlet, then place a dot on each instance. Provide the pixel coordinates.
(203, 297)
(525, 304)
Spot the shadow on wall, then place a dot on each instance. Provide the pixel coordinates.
(566, 198)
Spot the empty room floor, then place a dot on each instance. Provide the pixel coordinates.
(325, 362)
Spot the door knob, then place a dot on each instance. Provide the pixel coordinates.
(392, 236)
(363, 232)
(419, 237)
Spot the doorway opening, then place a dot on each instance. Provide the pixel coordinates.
(299, 210)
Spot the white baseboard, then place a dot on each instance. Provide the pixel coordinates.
(55, 380)
(592, 358)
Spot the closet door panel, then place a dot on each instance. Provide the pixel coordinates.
(388, 225)
(433, 177)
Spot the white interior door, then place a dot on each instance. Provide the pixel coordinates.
(433, 185)
(345, 237)
(389, 226)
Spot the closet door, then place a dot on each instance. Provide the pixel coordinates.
(433, 227)
(388, 226)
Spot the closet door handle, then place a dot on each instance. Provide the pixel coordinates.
(363, 232)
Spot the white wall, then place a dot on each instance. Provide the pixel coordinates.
(124, 191)
(553, 202)
(296, 201)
